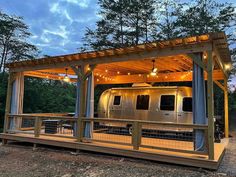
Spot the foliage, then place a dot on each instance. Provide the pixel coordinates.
(13, 40)
(45, 96)
(42, 96)
(168, 12)
(123, 23)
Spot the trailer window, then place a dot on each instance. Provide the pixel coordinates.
(167, 102)
(117, 100)
(187, 104)
(142, 102)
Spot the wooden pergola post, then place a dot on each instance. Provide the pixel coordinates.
(80, 100)
(226, 109)
(82, 75)
(8, 102)
(210, 106)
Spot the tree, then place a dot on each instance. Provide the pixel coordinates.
(168, 13)
(123, 23)
(206, 16)
(13, 40)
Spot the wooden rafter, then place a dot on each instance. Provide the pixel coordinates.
(134, 53)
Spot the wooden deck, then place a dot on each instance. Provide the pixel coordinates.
(189, 159)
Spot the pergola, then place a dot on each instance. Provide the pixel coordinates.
(177, 60)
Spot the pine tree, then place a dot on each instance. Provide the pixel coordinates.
(13, 40)
(168, 13)
(206, 16)
(149, 20)
(123, 23)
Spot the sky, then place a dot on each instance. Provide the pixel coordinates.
(57, 26)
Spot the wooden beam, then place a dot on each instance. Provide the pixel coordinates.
(43, 75)
(77, 72)
(161, 77)
(219, 85)
(131, 56)
(219, 60)
(92, 67)
(196, 60)
(210, 106)
(226, 108)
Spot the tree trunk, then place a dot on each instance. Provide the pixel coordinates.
(2, 58)
(137, 30)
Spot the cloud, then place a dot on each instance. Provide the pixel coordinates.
(81, 3)
(55, 8)
(59, 26)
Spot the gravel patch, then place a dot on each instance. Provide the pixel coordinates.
(22, 161)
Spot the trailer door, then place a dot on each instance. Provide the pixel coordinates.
(115, 106)
(168, 108)
(185, 113)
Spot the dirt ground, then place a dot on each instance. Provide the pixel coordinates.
(19, 160)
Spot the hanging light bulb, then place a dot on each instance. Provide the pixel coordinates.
(66, 78)
(204, 55)
(154, 70)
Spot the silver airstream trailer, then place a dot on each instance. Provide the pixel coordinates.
(141, 102)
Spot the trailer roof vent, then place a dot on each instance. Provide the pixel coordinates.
(141, 85)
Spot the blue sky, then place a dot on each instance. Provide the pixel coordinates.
(57, 25)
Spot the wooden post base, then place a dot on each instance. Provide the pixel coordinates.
(35, 147)
(77, 152)
(4, 142)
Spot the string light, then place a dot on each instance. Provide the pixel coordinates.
(128, 73)
(118, 72)
(139, 75)
(106, 70)
(227, 66)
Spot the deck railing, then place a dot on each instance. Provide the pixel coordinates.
(119, 133)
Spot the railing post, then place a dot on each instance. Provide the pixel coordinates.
(206, 141)
(37, 127)
(80, 129)
(6, 123)
(136, 135)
